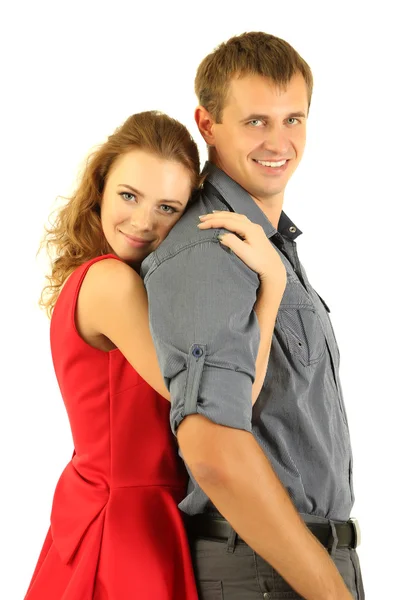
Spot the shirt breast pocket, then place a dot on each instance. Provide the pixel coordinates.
(300, 326)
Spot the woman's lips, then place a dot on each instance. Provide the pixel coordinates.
(136, 242)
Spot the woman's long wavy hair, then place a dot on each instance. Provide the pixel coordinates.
(76, 235)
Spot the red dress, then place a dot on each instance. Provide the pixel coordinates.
(116, 532)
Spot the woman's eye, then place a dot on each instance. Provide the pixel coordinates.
(167, 209)
(128, 196)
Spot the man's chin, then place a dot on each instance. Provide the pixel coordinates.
(268, 192)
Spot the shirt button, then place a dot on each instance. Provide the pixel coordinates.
(292, 229)
(265, 595)
(197, 352)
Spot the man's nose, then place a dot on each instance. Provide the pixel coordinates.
(276, 141)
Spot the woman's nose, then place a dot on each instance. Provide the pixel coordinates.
(142, 219)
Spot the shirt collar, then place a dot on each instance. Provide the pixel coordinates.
(239, 202)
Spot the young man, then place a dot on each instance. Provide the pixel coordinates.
(280, 473)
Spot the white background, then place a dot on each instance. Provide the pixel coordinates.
(71, 73)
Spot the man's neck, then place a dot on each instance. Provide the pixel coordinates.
(271, 208)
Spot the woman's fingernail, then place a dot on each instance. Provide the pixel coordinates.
(201, 217)
(221, 236)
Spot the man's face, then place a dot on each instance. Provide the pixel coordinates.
(262, 136)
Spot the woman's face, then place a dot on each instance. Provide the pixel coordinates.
(144, 196)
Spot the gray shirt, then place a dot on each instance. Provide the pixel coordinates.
(202, 319)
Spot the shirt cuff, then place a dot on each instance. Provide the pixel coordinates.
(223, 396)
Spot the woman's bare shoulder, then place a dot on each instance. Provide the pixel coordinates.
(109, 284)
(110, 291)
(111, 277)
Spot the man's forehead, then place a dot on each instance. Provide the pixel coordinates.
(256, 93)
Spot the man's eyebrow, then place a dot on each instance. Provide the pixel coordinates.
(300, 114)
(138, 193)
(256, 116)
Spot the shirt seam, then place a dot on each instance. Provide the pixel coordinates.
(212, 240)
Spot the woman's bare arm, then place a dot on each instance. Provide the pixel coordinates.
(253, 247)
(266, 308)
(113, 302)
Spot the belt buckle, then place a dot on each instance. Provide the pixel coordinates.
(357, 531)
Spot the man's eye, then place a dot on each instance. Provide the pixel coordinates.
(128, 196)
(292, 120)
(255, 122)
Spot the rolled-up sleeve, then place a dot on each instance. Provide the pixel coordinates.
(202, 319)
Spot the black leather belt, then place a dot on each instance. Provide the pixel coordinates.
(206, 526)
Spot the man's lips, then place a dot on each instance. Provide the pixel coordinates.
(271, 160)
(275, 166)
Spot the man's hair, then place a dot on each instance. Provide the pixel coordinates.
(252, 53)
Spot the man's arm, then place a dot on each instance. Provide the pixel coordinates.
(202, 320)
(233, 471)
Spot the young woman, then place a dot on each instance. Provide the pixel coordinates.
(116, 532)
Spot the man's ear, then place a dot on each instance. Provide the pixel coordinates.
(205, 123)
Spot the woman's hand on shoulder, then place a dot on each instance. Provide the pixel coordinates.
(252, 246)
